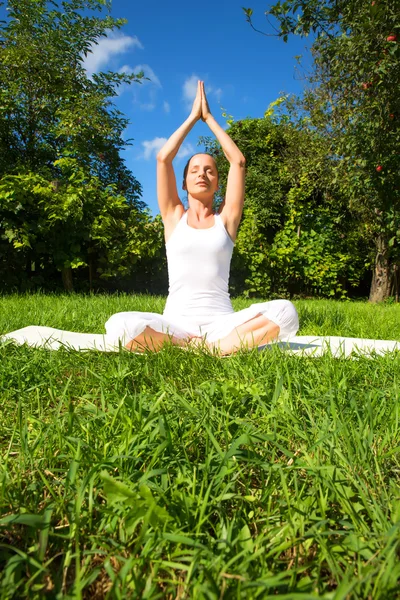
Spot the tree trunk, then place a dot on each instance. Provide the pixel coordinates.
(382, 273)
(90, 275)
(66, 275)
(395, 282)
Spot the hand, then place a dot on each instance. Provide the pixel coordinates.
(205, 109)
(197, 107)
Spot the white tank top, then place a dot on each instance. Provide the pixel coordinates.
(198, 270)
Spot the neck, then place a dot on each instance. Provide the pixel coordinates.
(200, 210)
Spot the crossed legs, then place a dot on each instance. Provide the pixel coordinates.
(254, 332)
(153, 340)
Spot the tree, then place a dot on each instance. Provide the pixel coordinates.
(62, 178)
(297, 234)
(353, 102)
(74, 222)
(266, 187)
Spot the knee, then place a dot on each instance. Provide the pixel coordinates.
(284, 314)
(126, 326)
(287, 307)
(289, 319)
(115, 327)
(115, 322)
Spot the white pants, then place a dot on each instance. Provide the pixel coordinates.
(126, 326)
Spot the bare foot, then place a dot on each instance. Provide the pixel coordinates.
(215, 349)
(154, 341)
(197, 341)
(210, 347)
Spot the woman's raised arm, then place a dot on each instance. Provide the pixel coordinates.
(232, 208)
(171, 207)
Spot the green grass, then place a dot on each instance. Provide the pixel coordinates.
(180, 475)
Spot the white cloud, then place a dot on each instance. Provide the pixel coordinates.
(185, 150)
(166, 107)
(152, 147)
(114, 44)
(218, 93)
(145, 94)
(126, 69)
(148, 72)
(149, 106)
(190, 89)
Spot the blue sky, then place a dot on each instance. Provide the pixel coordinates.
(175, 44)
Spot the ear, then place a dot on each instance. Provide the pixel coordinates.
(184, 185)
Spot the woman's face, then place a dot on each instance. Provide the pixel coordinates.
(202, 176)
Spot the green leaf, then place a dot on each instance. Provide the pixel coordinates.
(245, 539)
(115, 490)
(31, 520)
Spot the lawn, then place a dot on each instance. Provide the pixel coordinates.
(181, 475)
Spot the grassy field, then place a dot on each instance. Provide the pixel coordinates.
(180, 475)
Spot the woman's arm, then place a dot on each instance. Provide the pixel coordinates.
(171, 208)
(232, 206)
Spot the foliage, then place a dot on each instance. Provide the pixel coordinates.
(67, 199)
(74, 223)
(296, 236)
(353, 102)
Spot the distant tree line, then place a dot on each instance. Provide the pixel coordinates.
(68, 203)
(297, 235)
(352, 103)
(322, 189)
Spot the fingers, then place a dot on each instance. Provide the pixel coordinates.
(200, 105)
(203, 94)
(205, 109)
(196, 109)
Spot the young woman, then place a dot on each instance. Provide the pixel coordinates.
(199, 246)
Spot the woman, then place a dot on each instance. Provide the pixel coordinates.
(199, 246)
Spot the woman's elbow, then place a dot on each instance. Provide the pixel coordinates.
(241, 161)
(161, 157)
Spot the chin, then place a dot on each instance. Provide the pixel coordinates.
(202, 195)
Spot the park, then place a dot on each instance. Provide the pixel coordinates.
(185, 473)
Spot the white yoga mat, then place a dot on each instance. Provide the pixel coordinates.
(53, 339)
(306, 345)
(339, 347)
